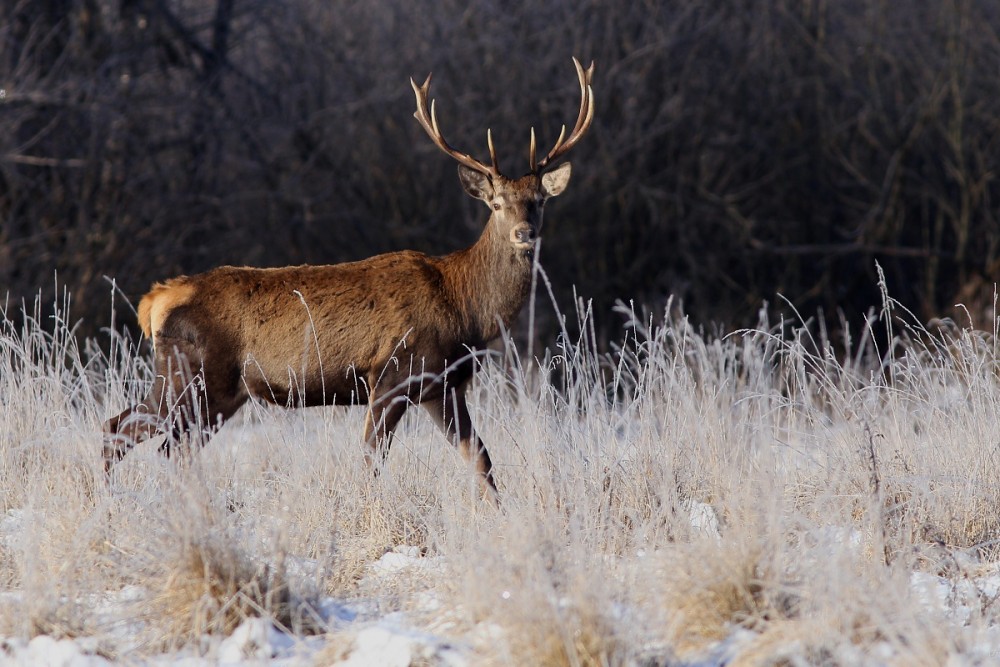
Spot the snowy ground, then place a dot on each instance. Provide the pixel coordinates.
(685, 501)
(356, 633)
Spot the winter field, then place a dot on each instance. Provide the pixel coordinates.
(765, 497)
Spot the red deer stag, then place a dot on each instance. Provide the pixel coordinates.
(390, 330)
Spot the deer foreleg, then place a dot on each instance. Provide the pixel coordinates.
(381, 419)
(452, 415)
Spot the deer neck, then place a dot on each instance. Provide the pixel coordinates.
(490, 282)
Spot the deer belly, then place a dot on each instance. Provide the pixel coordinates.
(305, 385)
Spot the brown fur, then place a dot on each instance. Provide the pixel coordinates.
(390, 331)
(159, 301)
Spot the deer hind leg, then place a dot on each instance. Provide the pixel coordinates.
(203, 400)
(154, 415)
(452, 415)
(127, 429)
(186, 414)
(381, 419)
(151, 417)
(177, 403)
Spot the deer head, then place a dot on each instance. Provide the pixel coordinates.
(516, 205)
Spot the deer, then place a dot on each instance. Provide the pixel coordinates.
(389, 331)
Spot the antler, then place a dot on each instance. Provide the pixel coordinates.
(430, 125)
(583, 121)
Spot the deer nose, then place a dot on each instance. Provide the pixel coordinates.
(525, 234)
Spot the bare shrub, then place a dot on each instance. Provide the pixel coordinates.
(739, 150)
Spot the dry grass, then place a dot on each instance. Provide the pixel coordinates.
(750, 500)
(711, 594)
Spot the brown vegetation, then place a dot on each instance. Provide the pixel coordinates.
(740, 150)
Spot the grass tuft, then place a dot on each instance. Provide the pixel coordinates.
(209, 587)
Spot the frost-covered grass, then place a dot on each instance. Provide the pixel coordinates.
(687, 499)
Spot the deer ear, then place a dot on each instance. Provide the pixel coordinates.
(476, 183)
(555, 181)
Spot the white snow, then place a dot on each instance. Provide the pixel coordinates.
(388, 640)
(386, 644)
(255, 639)
(358, 637)
(44, 651)
(403, 557)
(358, 633)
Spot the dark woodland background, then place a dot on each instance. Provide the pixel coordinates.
(741, 149)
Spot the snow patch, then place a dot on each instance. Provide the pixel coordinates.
(703, 519)
(404, 557)
(255, 639)
(389, 645)
(44, 651)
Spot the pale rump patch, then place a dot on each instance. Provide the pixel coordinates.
(159, 301)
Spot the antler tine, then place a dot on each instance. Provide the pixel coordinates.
(585, 77)
(531, 151)
(430, 125)
(583, 118)
(493, 152)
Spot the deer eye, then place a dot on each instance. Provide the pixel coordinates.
(496, 206)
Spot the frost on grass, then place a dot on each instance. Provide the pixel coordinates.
(764, 497)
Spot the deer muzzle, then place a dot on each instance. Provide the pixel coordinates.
(523, 235)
